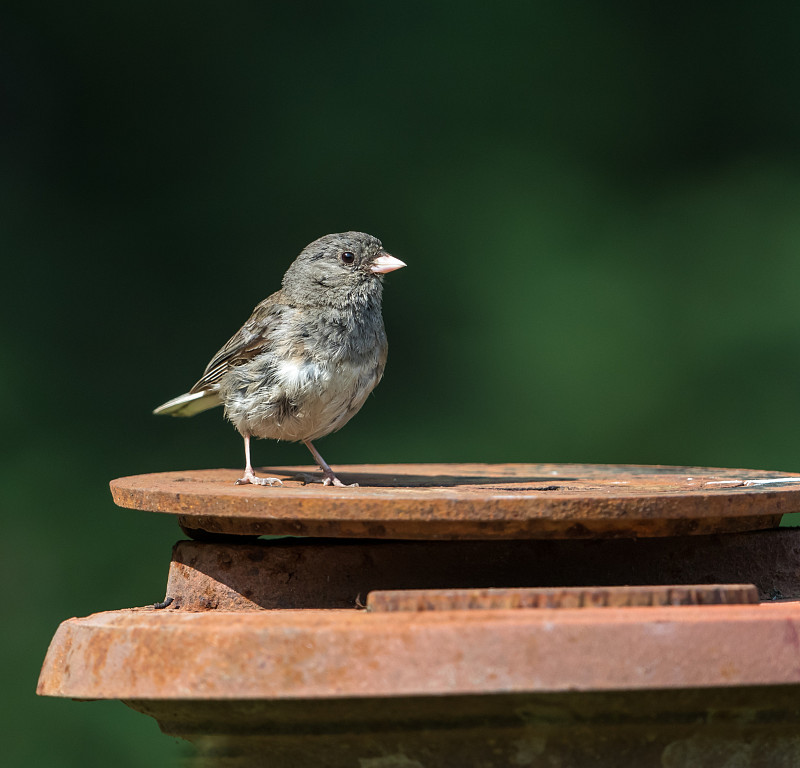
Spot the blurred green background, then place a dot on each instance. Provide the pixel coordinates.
(599, 205)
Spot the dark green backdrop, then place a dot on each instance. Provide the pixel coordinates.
(599, 204)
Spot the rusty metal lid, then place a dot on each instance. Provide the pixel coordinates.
(311, 654)
(472, 501)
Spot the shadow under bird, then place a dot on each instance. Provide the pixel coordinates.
(306, 360)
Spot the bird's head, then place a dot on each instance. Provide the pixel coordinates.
(339, 268)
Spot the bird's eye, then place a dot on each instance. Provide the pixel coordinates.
(348, 258)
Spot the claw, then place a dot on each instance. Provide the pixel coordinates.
(307, 479)
(250, 476)
(251, 479)
(330, 478)
(337, 483)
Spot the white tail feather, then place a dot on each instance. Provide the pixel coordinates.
(189, 404)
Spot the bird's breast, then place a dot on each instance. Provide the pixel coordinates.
(299, 397)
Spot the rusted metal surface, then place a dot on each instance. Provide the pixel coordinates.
(307, 654)
(559, 597)
(480, 501)
(473, 501)
(327, 573)
(714, 727)
(260, 656)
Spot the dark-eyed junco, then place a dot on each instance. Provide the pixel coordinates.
(304, 363)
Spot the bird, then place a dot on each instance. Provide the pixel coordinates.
(308, 357)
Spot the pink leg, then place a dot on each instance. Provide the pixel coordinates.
(330, 478)
(249, 475)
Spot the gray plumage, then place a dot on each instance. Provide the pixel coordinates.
(307, 358)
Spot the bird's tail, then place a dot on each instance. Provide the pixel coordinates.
(189, 404)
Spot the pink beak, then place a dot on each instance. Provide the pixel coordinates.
(386, 263)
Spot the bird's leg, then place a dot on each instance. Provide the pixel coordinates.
(330, 478)
(249, 475)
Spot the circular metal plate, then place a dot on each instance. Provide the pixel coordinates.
(312, 654)
(472, 501)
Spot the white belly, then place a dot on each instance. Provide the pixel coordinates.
(297, 400)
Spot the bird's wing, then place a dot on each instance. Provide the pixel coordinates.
(250, 340)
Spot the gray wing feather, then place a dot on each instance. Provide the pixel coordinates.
(250, 340)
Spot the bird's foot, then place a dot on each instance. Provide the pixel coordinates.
(330, 478)
(307, 479)
(259, 481)
(337, 483)
(251, 479)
